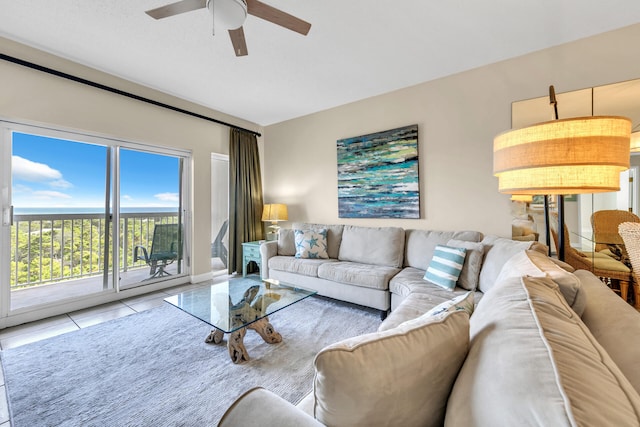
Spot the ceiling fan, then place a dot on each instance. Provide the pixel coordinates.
(230, 14)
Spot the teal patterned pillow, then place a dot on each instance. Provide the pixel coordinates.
(445, 266)
(311, 243)
(464, 302)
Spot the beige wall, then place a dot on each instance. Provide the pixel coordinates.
(34, 97)
(458, 117)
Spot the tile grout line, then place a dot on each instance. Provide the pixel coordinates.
(74, 322)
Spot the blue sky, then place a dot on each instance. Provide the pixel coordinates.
(49, 172)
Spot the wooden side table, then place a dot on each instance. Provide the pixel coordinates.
(251, 252)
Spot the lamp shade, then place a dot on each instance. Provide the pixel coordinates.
(275, 212)
(569, 156)
(526, 198)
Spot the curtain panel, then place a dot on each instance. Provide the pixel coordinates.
(245, 195)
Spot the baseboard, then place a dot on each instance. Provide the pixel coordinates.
(202, 277)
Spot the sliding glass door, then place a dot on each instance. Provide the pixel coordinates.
(151, 225)
(84, 215)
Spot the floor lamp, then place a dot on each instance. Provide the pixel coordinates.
(569, 156)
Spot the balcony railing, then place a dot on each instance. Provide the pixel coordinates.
(48, 248)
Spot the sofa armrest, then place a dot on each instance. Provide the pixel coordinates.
(267, 250)
(261, 408)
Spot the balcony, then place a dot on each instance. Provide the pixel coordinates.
(57, 256)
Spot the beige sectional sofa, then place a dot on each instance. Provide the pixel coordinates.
(543, 346)
(371, 266)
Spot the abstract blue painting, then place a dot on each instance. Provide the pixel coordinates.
(378, 175)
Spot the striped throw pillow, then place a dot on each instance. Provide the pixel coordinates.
(445, 266)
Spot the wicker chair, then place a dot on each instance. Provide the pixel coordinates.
(612, 272)
(630, 232)
(605, 227)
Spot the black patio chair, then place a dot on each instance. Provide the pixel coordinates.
(165, 249)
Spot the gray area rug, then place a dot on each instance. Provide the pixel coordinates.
(154, 368)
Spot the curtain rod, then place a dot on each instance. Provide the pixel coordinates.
(117, 91)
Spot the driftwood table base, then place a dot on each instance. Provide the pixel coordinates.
(237, 351)
(233, 307)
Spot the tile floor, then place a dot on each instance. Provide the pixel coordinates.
(47, 328)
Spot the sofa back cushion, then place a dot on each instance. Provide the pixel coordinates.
(286, 242)
(420, 244)
(472, 263)
(536, 264)
(372, 245)
(334, 235)
(533, 362)
(614, 323)
(498, 250)
(399, 377)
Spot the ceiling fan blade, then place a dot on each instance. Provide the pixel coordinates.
(278, 17)
(176, 8)
(238, 41)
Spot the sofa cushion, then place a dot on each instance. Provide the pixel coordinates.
(286, 242)
(498, 250)
(535, 264)
(414, 306)
(305, 267)
(533, 361)
(334, 235)
(472, 263)
(372, 245)
(445, 266)
(420, 244)
(250, 409)
(418, 296)
(353, 273)
(401, 377)
(411, 280)
(311, 244)
(462, 302)
(614, 323)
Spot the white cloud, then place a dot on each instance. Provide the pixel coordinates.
(33, 171)
(127, 197)
(167, 197)
(49, 195)
(60, 183)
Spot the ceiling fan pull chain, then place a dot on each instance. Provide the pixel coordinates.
(213, 19)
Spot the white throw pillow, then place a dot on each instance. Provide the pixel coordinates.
(445, 266)
(311, 243)
(400, 377)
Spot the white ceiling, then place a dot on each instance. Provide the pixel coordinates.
(355, 49)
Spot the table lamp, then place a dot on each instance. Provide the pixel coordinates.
(274, 213)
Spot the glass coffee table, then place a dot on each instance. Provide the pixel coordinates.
(239, 304)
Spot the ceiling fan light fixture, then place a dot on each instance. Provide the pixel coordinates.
(228, 14)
